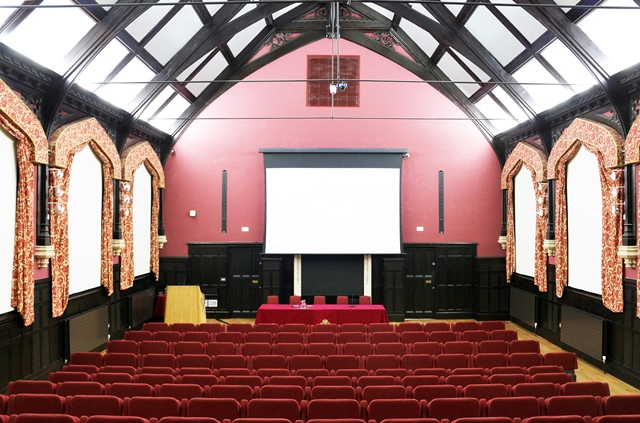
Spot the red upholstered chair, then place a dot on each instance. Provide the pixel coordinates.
(331, 381)
(73, 387)
(490, 325)
(252, 380)
(509, 379)
(333, 409)
(152, 407)
(336, 362)
(294, 300)
(568, 360)
(380, 361)
(483, 420)
(525, 359)
(30, 387)
(333, 392)
(364, 381)
(419, 380)
(621, 404)
(486, 391)
(289, 349)
(233, 337)
(458, 347)
(469, 371)
(300, 381)
(167, 335)
(158, 370)
(217, 408)
(284, 408)
(194, 361)
(109, 377)
(430, 392)
(538, 390)
(121, 359)
(464, 380)
(359, 349)
(237, 392)
(308, 361)
(474, 335)
(534, 370)
(443, 336)
(431, 348)
(240, 327)
(205, 381)
(353, 374)
(156, 326)
(182, 371)
(138, 335)
(321, 338)
(319, 299)
(490, 360)
(452, 361)
(183, 327)
(35, 403)
(94, 405)
(211, 328)
(380, 327)
(189, 420)
(345, 337)
(524, 345)
(436, 326)
(353, 327)
(224, 361)
(159, 360)
(230, 371)
(493, 346)
(252, 349)
(464, 326)
(153, 347)
(342, 299)
(409, 327)
(381, 409)
(336, 421)
(91, 358)
(295, 327)
(436, 371)
(260, 420)
(271, 328)
(364, 300)
(508, 370)
(416, 361)
(154, 379)
(580, 405)
(272, 299)
(514, 407)
(40, 418)
(597, 389)
(394, 348)
(504, 334)
(289, 338)
(323, 349)
(180, 391)
(413, 336)
(325, 327)
(378, 337)
(270, 361)
(559, 378)
(86, 368)
(188, 347)
(218, 348)
(122, 345)
(283, 391)
(62, 376)
(311, 374)
(454, 408)
(555, 419)
(268, 373)
(373, 392)
(129, 390)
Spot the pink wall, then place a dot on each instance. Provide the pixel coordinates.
(194, 173)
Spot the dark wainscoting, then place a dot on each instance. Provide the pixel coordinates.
(620, 337)
(31, 352)
(492, 290)
(173, 271)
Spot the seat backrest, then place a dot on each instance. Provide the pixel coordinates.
(194, 360)
(333, 392)
(154, 379)
(237, 392)
(490, 325)
(180, 391)
(430, 392)
(92, 358)
(364, 381)
(342, 299)
(272, 299)
(284, 408)
(524, 345)
(452, 361)
(294, 299)
(474, 335)
(152, 407)
(111, 377)
(381, 361)
(380, 327)
(437, 371)
(393, 348)
(300, 381)
(121, 359)
(556, 419)
(493, 346)
(289, 349)
(490, 360)
(271, 361)
(258, 337)
(218, 408)
(486, 391)
(378, 337)
(559, 378)
(124, 390)
(364, 300)
(309, 361)
(233, 337)
(335, 362)
(413, 336)
(183, 327)
(188, 347)
(156, 326)
(333, 409)
(289, 337)
(253, 349)
(436, 326)
(419, 380)
(621, 404)
(218, 348)
(416, 361)
(509, 379)
(39, 418)
(526, 359)
(380, 409)
(464, 326)
(464, 380)
(228, 371)
(243, 380)
(195, 336)
(295, 327)
(331, 381)
(430, 347)
(240, 327)
(325, 327)
(203, 380)
(345, 337)
(210, 327)
(369, 393)
(122, 345)
(223, 361)
(138, 335)
(159, 360)
(597, 389)
(534, 370)
(353, 327)
(409, 327)
(73, 387)
(568, 360)
(92, 405)
(35, 403)
(538, 390)
(63, 376)
(443, 336)
(580, 405)
(458, 347)
(193, 371)
(520, 407)
(503, 334)
(359, 349)
(31, 387)
(167, 335)
(283, 391)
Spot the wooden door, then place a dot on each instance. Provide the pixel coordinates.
(419, 283)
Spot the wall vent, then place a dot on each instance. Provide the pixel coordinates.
(583, 332)
(522, 306)
(142, 306)
(88, 331)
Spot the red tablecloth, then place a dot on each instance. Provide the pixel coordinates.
(313, 314)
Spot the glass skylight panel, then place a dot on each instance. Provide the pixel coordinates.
(495, 114)
(425, 12)
(102, 65)
(508, 102)
(150, 18)
(167, 117)
(122, 94)
(604, 26)
(475, 69)
(567, 3)
(422, 38)
(568, 65)
(245, 9)
(6, 12)
(543, 87)
(174, 35)
(284, 10)
(208, 73)
(213, 8)
(455, 72)
(185, 73)
(157, 102)
(496, 38)
(385, 12)
(455, 8)
(34, 37)
(105, 3)
(244, 37)
(521, 19)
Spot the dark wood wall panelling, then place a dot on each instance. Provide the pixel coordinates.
(31, 352)
(622, 330)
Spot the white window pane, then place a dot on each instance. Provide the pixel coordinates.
(476, 70)
(44, 37)
(498, 117)
(244, 37)
(545, 95)
(213, 8)
(384, 12)
(150, 18)
(284, 10)
(245, 9)
(208, 73)
(510, 104)
(167, 117)
(157, 102)
(455, 72)
(608, 28)
(567, 3)
(422, 38)
(495, 37)
(106, 2)
(6, 12)
(185, 74)
(571, 69)
(521, 19)
(122, 94)
(102, 65)
(174, 35)
(455, 8)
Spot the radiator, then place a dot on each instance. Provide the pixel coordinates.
(142, 306)
(522, 306)
(582, 331)
(88, 331)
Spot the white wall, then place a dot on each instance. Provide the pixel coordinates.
(85, 221)
(141, 220)
(8, 193)
(525, 222)
(584, 220)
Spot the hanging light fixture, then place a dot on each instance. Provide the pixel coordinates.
(334, 34)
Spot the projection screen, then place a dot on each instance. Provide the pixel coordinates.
(332, 201)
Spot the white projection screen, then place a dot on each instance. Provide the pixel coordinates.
(85, 221)
(320, 202)
(141, 221)
(584, 222)
(8, 193)
(525, 222)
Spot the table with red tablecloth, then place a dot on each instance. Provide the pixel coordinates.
(314, 314)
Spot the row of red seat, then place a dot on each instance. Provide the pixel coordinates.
(345, 327)
(294, 345)
(327, 356)
(364, 388)
(293, 410)
(315, 335)
(65, 418)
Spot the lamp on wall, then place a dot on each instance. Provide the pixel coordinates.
(118, 244)
(333, 32)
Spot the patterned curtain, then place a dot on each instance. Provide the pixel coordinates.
(127, 272)
(632, 155)
(511, 232)
(542, 217)
(154, 264)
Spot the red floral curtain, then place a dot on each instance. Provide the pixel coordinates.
(632, 155)
(511, 232)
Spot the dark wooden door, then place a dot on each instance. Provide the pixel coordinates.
(419, 284)
(209, 270)
(454, 288)
(245, 288)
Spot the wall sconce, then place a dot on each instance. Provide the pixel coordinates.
(502, 240)
(125, 198)
(162, 239)
(56, 193)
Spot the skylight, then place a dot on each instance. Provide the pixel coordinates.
(122, 94)
(568, 65)
(543, 87)
(495, 114)
(102, 65)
